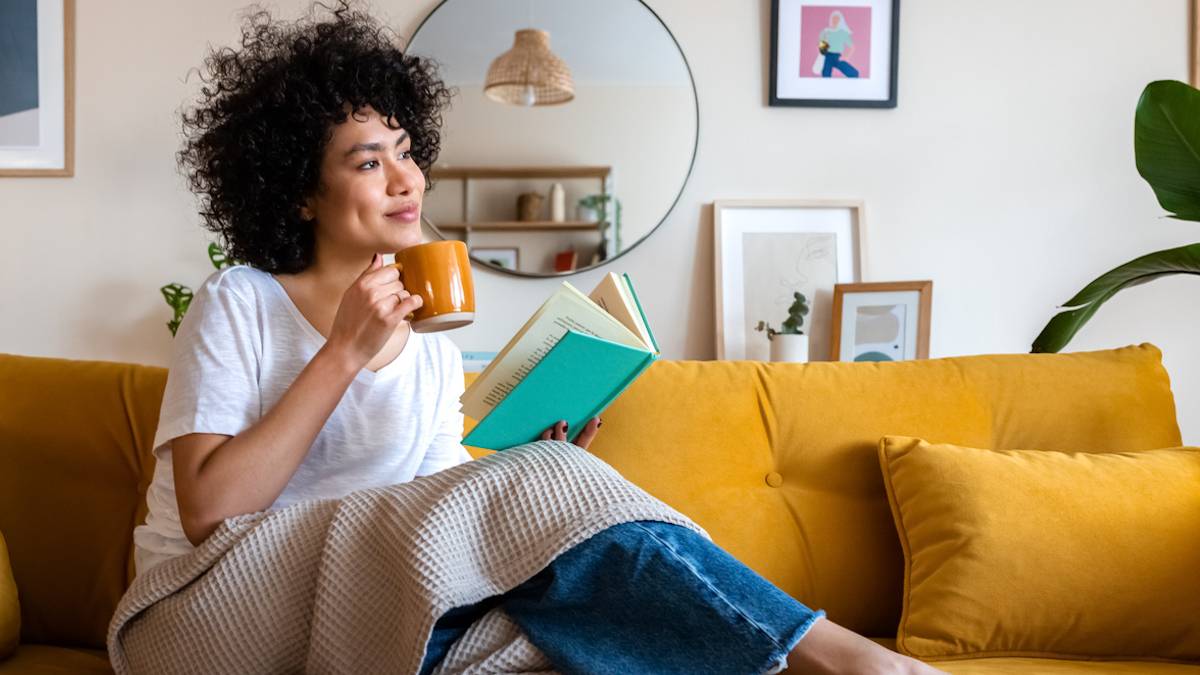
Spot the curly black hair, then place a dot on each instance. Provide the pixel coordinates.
(254, 140)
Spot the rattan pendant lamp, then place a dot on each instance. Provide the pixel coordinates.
(529, 74)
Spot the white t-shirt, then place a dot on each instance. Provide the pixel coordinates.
(241, 345)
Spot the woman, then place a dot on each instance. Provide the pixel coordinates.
(841, 46)
(296, 378)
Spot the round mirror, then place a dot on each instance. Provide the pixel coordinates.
(570, 136)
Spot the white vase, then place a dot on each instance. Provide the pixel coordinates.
(558, 203)
(789, 348)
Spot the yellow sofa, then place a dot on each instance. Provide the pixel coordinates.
(777, 461)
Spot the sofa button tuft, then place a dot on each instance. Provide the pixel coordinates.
(774, 479)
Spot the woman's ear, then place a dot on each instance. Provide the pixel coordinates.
(306, 212)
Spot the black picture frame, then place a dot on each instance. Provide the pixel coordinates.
(774, 99)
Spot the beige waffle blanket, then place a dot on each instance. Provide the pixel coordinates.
(355, 585)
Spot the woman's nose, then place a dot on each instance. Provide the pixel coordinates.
(401, 180)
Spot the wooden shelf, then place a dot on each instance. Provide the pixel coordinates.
(468, 174)
(520, 225)
(464, 172)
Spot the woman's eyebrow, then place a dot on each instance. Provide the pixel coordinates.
(373, 147)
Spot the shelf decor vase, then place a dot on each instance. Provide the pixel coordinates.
(789, 348)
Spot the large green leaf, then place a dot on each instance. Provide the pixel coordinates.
(1166, 145)
(1077, 311)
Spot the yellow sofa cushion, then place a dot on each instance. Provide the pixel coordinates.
(1046, 554)
(34, 659)
(75, 461)
(10, 610)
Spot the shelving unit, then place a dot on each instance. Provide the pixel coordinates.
(521, 225)
(466, 174)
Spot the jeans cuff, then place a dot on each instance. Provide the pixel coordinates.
(780, 664)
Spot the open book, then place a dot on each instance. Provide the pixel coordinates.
(569, 361)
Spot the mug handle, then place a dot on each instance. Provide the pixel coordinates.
(400, 268)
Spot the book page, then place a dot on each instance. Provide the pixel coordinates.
(566, 309)
(613, 298)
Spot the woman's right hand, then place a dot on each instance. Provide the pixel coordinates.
(370, 311)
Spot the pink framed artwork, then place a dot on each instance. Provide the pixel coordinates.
(834, 53)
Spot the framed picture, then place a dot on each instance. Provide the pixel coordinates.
(881, 321)
(834, 53)
(765, 251)
(509, 258)
(37, 85)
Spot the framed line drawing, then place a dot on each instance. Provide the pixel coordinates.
(887, 321)
(834, 53)
(37, 88)
(764, 251)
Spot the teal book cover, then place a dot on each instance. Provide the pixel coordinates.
(642, 313)
(577, 379)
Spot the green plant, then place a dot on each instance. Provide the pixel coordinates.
(1166, 148)
(179, 297)
(600, 204)
(597, 202)
(792, 324)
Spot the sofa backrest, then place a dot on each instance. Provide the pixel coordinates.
(776, 461)
(75, 462)
(779, 461)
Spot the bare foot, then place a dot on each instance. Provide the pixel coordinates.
(829, 648)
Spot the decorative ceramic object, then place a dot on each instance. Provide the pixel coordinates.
(789, 348)
(558, 203)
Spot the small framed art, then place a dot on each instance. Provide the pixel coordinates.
(37, 88)
(834, 53)
(886, 321)
(507, 257)
(765, 251)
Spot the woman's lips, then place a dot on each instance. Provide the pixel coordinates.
(408, 215)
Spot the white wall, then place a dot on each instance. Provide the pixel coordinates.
(1006, 175)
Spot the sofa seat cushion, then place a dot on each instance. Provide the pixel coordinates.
(1008, 666)
(48, 660)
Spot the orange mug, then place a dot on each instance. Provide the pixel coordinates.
(439, 272)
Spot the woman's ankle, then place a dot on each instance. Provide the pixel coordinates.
(830, 648)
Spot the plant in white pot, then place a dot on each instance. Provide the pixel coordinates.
(789, 343)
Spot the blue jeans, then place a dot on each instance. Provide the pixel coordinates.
(645, 597)
(835, 61)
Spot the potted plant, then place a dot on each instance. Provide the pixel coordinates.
(179, 297)
(1166, 133)
(789, 343)
(595, 208)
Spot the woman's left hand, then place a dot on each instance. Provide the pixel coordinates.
(558, 432)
